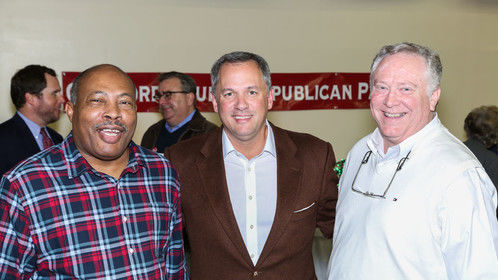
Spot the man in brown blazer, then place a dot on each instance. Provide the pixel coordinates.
(253, 193)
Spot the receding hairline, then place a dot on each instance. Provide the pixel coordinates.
(249, 61)
(410, 54)
(90, 72)
(102, 67)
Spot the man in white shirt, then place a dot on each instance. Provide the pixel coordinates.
(252, 193)
(414, 202)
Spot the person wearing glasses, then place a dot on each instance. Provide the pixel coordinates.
(414, 202)
(176, 97)
(36, 94)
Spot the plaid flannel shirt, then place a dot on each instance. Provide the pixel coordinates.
(62, 219)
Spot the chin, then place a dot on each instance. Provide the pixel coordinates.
(110, 156)
(112, 153)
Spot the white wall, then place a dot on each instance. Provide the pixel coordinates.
(294, 36)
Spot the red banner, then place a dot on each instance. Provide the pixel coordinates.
(293, 91)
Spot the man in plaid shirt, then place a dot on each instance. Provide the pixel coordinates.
(96, 206)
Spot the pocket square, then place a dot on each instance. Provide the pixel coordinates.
(305, 208)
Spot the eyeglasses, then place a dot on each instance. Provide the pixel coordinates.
(166, 94)
(366, 157)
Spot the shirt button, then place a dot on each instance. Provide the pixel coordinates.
(131, 251)
(251, 226)
(250, 197)
(252, 256)
(249, 169)
(125, 219)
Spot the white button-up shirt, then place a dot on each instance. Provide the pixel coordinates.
(437, 220)
(252, 185)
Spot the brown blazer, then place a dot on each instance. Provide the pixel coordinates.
(305, 177)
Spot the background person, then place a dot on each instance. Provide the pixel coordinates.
(36, 94)
(481, 127)
(181, 120)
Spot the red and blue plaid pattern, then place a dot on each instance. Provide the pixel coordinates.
(62, 219)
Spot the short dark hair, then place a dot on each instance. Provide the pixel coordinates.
(77, 81)
(30, 79)
(236, 57)
(482, 124)
(188, 83)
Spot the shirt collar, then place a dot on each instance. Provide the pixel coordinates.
(376, 142)
(182, 123)
(268, 148)
(33, 127)
(77, 164)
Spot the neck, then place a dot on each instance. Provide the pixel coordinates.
(32, 116)
(253, 147)
(112, 168)
(173, 123)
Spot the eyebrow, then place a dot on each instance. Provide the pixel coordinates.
(100, 92)
(375, 81)
(231, 89)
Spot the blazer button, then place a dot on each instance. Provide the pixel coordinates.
(255, 274)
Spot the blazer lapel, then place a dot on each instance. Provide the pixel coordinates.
(30, 147)
(289, 173)
(211, 168)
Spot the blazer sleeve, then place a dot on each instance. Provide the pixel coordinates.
(328, 195)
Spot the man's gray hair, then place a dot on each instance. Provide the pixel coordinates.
(432, 61)
(237, 57)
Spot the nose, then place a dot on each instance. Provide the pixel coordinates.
(163, 100)
(112, 111)
(241, 102)
(391, 99)
(60, 99)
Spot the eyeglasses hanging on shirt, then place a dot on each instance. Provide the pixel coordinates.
(366, 157)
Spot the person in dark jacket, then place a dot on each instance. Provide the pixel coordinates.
(481, 126)
(36, 94)
(181, 120)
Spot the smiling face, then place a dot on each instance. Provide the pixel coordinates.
(242, 101)
(400, 103)
(105, 116)
(177, 106)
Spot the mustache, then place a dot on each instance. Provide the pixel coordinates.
(107, 123)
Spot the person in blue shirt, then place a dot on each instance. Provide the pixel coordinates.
(181, 120)
(36, 94)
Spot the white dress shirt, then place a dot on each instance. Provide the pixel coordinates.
(437, 220)
(252, 185)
